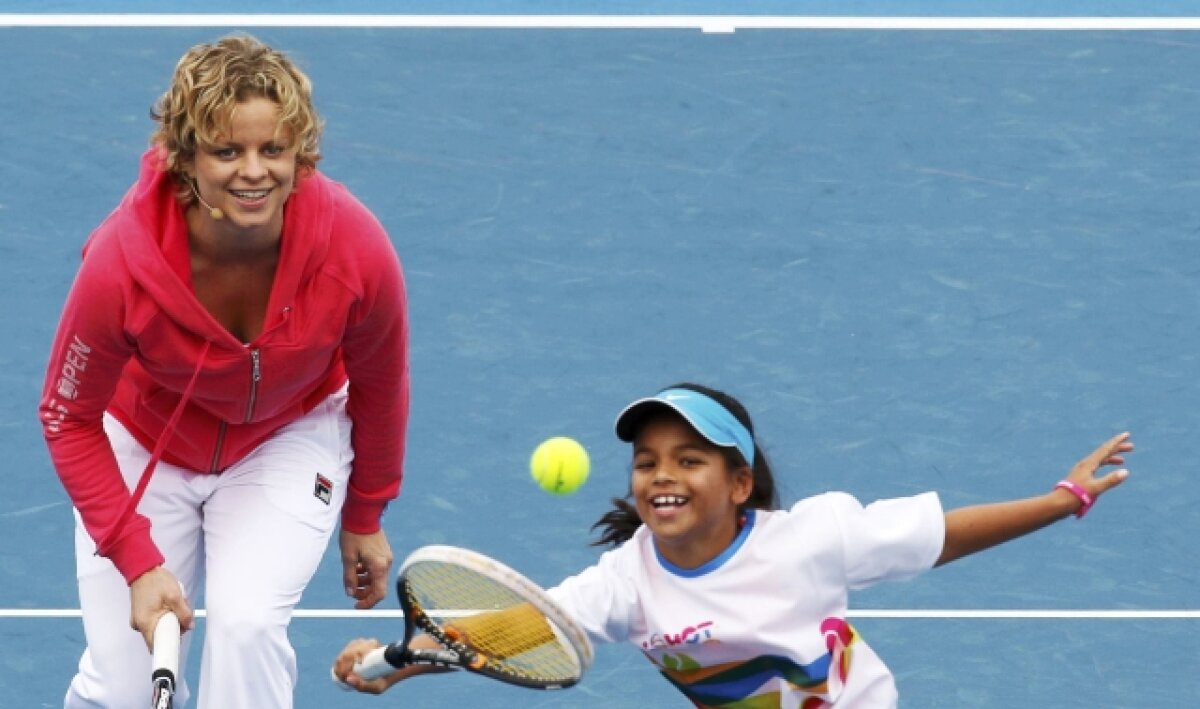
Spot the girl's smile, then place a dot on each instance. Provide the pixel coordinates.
(685, 491)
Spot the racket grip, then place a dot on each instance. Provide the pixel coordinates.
(165, 660)
(374, 664)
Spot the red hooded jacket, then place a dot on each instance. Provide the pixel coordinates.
(133, 334)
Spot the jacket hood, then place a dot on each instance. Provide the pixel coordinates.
(152, 231)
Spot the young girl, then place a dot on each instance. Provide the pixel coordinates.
(740, 604)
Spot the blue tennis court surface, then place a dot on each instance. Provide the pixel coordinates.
(924, 260)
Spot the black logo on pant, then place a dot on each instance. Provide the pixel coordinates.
(324, 489)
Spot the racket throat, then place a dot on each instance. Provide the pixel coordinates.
(438, 658)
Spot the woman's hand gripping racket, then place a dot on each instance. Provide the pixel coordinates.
(166, 661)
(486, 618)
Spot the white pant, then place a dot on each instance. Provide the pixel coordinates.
(253, 536)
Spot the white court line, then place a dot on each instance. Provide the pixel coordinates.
(980, 614)
(983, 614)
(704, 23)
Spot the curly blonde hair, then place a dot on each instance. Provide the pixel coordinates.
(210, 81)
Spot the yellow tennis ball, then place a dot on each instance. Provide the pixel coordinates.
(559, 465)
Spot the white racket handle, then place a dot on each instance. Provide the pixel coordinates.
(374, 665)
(166, 646)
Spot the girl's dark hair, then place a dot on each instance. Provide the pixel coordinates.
(618, 524)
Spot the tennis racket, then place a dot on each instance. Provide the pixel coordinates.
(487, 618)
(166, 661)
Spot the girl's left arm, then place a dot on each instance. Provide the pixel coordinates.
(979, 527)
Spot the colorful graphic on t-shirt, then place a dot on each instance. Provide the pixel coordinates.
(732, 685)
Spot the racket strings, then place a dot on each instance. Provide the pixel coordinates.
(475, 615)
(515, 631)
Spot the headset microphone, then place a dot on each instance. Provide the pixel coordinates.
(213, 212)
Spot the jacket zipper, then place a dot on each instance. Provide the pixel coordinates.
(255, 378)
(216, 458)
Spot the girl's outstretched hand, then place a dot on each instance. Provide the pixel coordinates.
(1111, 452)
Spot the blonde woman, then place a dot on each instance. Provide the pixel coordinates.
(228, 382)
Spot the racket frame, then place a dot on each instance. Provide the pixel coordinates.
(570, 636)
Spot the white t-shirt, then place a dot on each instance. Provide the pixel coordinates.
(763, 624)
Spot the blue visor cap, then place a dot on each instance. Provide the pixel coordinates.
(710, 419)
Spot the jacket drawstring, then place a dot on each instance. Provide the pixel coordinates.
(114, 533)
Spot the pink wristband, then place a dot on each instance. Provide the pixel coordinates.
(1077, 490)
